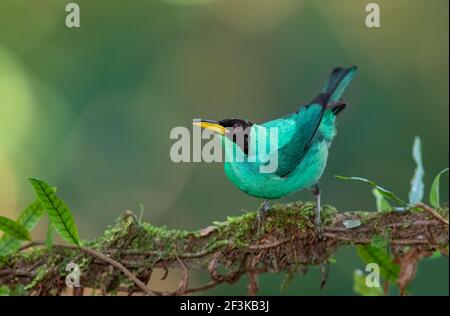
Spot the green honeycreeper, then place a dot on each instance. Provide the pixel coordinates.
(301, 147)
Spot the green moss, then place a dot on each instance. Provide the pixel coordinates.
(164, 233)
(235, 231)
(443, 212)
(40, 274)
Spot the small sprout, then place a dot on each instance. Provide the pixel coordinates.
(434, 192)
(57, 211)
(382, 204)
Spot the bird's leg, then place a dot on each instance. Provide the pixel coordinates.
(316, 192)
(261, 214)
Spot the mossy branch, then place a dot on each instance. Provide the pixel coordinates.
(125, 256)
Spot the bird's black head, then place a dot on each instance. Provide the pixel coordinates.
(235, 123)
(235, 129)
(239, 132)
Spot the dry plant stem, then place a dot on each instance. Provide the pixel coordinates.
(120, 267)
(433, 212)
(125, 257)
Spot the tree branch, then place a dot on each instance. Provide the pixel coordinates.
(124, 258)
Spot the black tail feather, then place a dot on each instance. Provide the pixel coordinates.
(338, 106)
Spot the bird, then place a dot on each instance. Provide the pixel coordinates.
(301, 146)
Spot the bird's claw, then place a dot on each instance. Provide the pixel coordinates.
(319, 233)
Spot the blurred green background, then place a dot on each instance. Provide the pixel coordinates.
(90, 109)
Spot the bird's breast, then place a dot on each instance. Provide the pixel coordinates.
(248, 177)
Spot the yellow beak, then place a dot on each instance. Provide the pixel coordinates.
(212, 126)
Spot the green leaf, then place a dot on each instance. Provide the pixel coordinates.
(382, 204)
(417, 187)
(31, 215)
(8, 244)
(388, 269)
(28, 219)
(386, 193)
(5, 291)
(57, 211)
(49, 236)
(360, 287)
(434, 193)
(10, 227)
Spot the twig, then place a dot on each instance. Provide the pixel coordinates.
(182, 287)
(274, 244)
(120, 267)
(253, 283)
(32, 244)
(101, 257)
(432, 212)
(203, 287)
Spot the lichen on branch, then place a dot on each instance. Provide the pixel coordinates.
(124, 257)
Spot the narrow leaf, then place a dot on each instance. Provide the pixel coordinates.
(360, 286)
(434, 193)
(388, 269)
(28, 219)
(10, 227)
(57, 211)
(9, 244)
(382, 204)
(417, 186)
(386, 193)
(31, 215)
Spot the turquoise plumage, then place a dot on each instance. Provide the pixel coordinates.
(301, 148)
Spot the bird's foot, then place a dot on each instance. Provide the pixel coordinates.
(319, 233)
(318, 224)
(318, 227)
(259, 222)
(265, 206)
